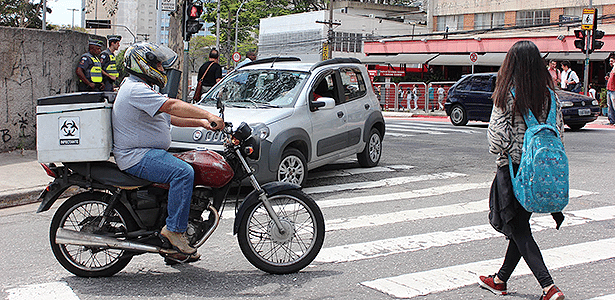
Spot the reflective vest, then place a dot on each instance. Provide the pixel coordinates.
(111, 69)
(94, 74)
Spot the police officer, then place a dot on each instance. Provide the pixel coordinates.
(107, 59)
(89, 69)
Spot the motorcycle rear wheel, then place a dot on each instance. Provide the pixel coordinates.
(83, 212)
(269, 250)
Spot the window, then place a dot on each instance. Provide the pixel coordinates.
(452, 22)
(533, 17)
(348, 42)
(481, 84)
(353, 83)
(488, 20)
(465, 84)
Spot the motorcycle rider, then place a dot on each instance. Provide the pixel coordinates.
(141, 121)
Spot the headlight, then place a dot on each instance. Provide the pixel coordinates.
(261, 130)
(595, 102)
(567, 104)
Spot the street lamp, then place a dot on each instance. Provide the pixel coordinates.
(236, 23)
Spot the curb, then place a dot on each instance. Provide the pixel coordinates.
(20, 196)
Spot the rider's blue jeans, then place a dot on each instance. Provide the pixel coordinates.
(160, 166)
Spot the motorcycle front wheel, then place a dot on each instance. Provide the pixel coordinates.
(281, 253)
(83, 212)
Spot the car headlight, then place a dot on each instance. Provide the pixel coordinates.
(261, 130)
(595, 102)
(567, 104)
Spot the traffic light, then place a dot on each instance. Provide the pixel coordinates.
(580, 41)
(192, 19)
(596, 35)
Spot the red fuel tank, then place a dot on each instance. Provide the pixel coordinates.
(210, 168)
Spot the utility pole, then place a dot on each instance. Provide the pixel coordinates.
(73, 23)
(330, 34)
(44, 14)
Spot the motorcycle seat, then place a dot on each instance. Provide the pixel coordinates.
(107, 173)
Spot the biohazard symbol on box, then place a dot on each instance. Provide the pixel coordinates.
(68, 132)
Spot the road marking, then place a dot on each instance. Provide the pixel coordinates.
(45, 291)
(605, 297)
(430, 213)
(432, 191)
(413, 130)
(438, 280)
(380, 183)
(372, 249)
(348, 172)
(437, 128)
(399, 134)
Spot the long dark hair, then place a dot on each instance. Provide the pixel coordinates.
(525, 70)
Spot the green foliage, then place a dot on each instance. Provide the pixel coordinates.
(199, 50)
(21, 13)
(602, 97)
(119, 64)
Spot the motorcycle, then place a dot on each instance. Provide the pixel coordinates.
(96, 233)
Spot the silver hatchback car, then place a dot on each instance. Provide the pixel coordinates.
(307, 115)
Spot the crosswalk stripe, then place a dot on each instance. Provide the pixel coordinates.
(429, 213)
(437, 128)
(432, 191)
(380, 183)
(605, 297)
(348, 172)
(433, 131)
(438, 280)
(388, 133)
(45, 291)
(418, 242)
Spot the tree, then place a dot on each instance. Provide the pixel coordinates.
(199, 50)
(21, 13)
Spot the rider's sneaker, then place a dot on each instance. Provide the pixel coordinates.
(487, 282)
(553, 294)
(178, 240)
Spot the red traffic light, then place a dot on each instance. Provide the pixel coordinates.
(579, 34)
(195, 11)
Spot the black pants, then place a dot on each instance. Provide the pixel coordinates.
(521, 242)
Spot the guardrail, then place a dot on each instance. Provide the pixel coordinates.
(398, 96)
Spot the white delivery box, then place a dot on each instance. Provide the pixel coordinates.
(74, 127)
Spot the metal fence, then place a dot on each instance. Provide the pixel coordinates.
(398, 96)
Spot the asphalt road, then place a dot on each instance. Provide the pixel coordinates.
(414, 225)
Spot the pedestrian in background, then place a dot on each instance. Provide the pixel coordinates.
(441, 97)
(107, 61)
(570, 79)
(523, 71)
(555, 72)
(592, 91)
(430, 93)
(210, 73)
(89, 69)
(250, 57)
(610, 90)
(415, 97)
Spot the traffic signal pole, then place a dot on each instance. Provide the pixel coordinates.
(586, 71)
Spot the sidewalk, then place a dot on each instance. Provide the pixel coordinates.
(22, 178)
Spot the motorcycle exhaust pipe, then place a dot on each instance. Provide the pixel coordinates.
(71, 237)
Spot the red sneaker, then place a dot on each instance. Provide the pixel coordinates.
(487, 282)
(553, 294)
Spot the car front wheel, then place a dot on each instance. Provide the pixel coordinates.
(292, 167)
(373, 150)
(459, 116)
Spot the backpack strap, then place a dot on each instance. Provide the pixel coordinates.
(551, 118)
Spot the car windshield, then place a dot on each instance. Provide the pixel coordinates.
(258, 88)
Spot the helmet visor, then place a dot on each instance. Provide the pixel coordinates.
(165, 55)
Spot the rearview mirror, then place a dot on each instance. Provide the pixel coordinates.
(322, 103)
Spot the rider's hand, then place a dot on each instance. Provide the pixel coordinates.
(219, 123)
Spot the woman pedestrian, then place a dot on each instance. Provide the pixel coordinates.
(523, 72)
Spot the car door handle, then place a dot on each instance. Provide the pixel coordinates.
(340, 114)
(366, 106)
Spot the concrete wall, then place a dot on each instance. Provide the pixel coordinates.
(33, 64)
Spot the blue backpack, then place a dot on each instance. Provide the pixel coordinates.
(541, 183)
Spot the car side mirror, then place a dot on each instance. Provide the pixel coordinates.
(322, 103)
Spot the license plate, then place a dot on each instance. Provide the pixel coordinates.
(585, 111)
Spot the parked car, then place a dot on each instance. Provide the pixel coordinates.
(308, 115)
(469, 99)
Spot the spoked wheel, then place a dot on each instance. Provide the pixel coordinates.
(373, 150)
(281, 253)
(83, 213)
(293, 167)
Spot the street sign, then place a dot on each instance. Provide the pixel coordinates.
(325, 51)
(589, 15)
(236, 56)
(473, 57)
(168, 5)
